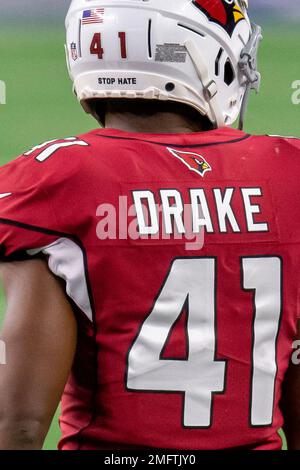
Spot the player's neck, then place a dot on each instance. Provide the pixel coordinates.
(158, 123)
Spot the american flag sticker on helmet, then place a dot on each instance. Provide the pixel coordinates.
(93, 16)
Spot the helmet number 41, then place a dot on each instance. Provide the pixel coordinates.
(97, 49)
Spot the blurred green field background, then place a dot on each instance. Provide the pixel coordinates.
(40, 105)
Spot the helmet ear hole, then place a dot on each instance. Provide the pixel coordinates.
(228, 72)
(170, 87)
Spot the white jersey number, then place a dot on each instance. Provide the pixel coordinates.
(192, 281)
(50, 147)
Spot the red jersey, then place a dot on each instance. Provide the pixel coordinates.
(181, 256)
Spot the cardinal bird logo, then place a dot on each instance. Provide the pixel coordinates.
(226, 13)
(193, 161)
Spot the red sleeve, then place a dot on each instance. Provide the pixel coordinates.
(27, 219)
(33, 195)
(39, 214)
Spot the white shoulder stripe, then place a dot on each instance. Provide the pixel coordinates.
(284, 136)
(66, 261)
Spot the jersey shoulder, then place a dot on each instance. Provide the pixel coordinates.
(46, 163)
(57, 166)
(280, 154)
(41, 192)
(287, 145)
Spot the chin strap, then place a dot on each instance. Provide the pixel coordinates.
(248, 68)
(210, 88)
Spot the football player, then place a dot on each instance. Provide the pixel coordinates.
(151, 267)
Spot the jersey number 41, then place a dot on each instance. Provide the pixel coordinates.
(192, 282)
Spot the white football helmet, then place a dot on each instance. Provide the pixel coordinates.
(198, 52)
